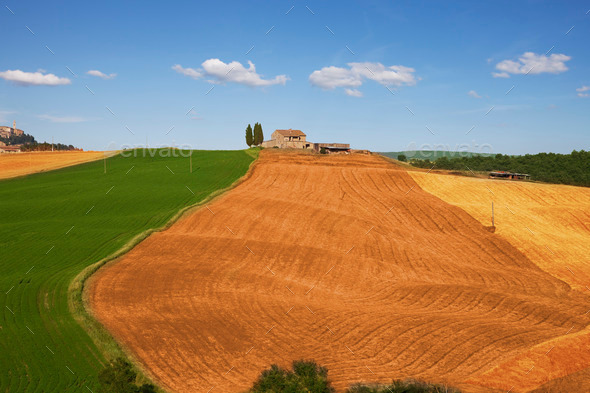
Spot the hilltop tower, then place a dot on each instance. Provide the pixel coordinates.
(14, 127)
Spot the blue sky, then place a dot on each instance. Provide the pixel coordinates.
(414, 63)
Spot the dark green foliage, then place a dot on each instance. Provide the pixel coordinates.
(46, 147)
(258, 134)
(572, 169)
(29, 143)
(432, 154)
(249, 136)
(323, 150)
(17, 140)
(119, 377)
(398, 386)
(402, 157)
(306, 376)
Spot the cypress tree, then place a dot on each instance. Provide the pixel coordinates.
(249, 136)
(257, 139)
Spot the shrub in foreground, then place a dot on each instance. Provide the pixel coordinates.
(119, 377)
(397, 386)
(306, 376)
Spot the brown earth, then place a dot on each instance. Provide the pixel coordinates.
(342, 259)
(19, 164)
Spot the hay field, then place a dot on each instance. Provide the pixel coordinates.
(19, 164)
(343, 259)
(550, 224)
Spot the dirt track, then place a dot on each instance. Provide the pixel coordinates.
(19, 164)
(343, 259)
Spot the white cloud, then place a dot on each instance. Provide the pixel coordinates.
(33, 78)
(532, 63)
(101, 74)
(195, 74)
(500, 75)
(235, 72)
(473, 93)
(331, 77)
(581, 91)
(353, 92)
(63, 119)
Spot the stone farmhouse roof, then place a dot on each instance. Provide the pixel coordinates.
(291, 132)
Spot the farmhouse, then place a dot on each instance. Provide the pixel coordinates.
(284, 139)
(509, 175)
(296, 139)
(10, 149)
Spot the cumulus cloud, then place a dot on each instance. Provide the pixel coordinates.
(532, 63)
(500, 75)
(191, 72)
(220, 72)
(353, 92)
(63, 119)
(473, 93)
(101, 74)
(582, 91)
(33, 78)
(331, 77)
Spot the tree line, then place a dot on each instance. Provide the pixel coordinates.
(18, 139)
(29, 143)
(572, 169)
(254, 137)
(46, 147)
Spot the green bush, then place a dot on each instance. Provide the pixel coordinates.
(397, 386)
(119, 377)
(402, 157)
(306, 376)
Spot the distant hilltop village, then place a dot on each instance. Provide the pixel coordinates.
(13, 140)
(7, 132)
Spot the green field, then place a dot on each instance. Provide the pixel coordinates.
(432, 154)
(53, 225)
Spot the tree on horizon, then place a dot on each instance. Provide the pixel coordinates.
(258, 134)
(249, 136)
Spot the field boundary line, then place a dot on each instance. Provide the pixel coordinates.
(78, 297)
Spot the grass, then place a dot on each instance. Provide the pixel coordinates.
(433, 154)
(60, 226)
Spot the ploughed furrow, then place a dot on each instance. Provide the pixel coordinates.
(340, 259)
(550, 224)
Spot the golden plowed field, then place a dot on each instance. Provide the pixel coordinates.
(19, 164)
(342, 259)
(548, 223)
